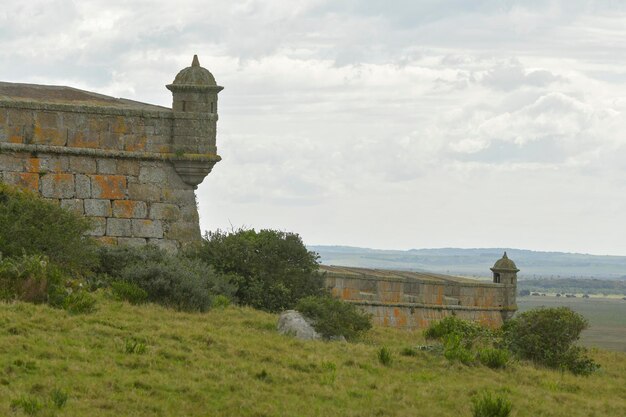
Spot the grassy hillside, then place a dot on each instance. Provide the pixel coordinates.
(149, 361)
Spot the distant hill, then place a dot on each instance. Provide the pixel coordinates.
(476, 262)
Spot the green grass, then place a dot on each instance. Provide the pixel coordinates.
(231, 362)
(607, 318)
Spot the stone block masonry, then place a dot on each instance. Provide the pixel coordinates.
(413, 300)
(132, 168)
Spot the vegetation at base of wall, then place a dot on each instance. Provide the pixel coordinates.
(151, 274)
(544, 336)
(146, 360)
(32, 226)
(452, 325)
(493, 358)
(547, 336)
(273, 269)
(127, 291)
(34, 279)
(334, 318)
(487, 404)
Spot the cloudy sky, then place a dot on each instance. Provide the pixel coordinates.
(377, 123)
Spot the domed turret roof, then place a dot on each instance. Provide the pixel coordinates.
(504, 264)
(195, 76)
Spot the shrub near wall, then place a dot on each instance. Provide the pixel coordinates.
(30, 225)
(274, 269)
(547, 336)
(151, 274)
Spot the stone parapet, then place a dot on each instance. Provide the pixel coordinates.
(413, 300)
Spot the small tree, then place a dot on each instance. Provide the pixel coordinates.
(547, 335)
(274, 269)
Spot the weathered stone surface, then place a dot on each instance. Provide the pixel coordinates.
(164, 211)
(75, 205)
(118, 227)
(128, 167)
(184, 232)
(130, 209)
(131, 241)
(98, 207)
(83, 186)
(23, 180)
(170, 246)
(82, 165)
(152, 174)
(145, 192)
(107, 166)
(57, 185)
(98, 226)
(147, 228)
(112, 187)
(10, 162)
(293, 323)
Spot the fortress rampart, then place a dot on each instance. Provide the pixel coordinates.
(130, 167)
(413, 300)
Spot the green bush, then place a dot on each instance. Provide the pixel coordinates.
(453, 325)
(182, 283)
(29, 278)
(455, 348)
(384, 356)
(469, 342)
(79, 302)
(274, 269)
(488, 405)
(32, 226)
(546, 336)
(113, 259)
(126, 291)
(493, 358)
(333, 318)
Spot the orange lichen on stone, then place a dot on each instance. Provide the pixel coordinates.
(135, 143)
(28, 180)
(112, 187)
(124, 208)
(440, 295)
(33, 165)
(127, 209)
(48, 135)
(16, 134)
(400, 318)
(81, 140)
(119, 126)
(347, 294)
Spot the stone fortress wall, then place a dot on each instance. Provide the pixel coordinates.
(413, 300)
(130, 167)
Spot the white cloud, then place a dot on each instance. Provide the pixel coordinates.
(384, 124)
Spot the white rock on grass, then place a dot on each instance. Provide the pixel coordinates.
(294, 324)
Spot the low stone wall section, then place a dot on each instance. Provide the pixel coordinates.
(414, 303)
